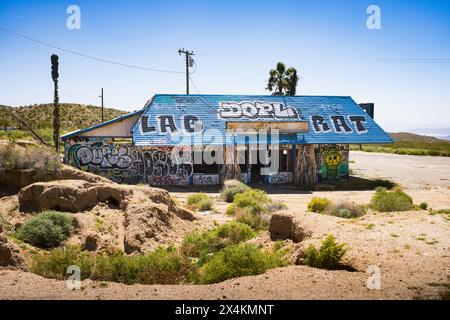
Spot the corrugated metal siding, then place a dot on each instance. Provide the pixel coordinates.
(206, 108)
(117, 129)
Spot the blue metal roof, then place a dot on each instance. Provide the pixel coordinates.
(81, 131)
(168, 119)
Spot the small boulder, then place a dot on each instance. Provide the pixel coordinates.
(9, 253)
(284, 225)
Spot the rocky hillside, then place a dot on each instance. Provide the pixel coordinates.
(73, 116)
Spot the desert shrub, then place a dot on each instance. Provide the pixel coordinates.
(318, 204)
(328, 256)
(345, 210)
(7, 156)
(162, 266)
(4, 223)
(423, 205)
(383, 183)
(201, 244)
(251, 199)
(47, 229)
(275, 206)
(257, 221)
(41, 159)
(205, 205)
(54, 264)
(388, 201)
(231, 188)
(441, 211)
(237, 261)
(200, 201)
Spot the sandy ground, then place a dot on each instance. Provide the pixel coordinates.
(411, 249)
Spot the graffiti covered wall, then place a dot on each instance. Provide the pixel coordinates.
(124, 163)
(129, 164)
(333, 162)
(281, 178)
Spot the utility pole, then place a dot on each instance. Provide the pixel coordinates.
(101, 96)
(189, 62)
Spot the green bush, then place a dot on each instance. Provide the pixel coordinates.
(389, 201)
(423, 205)
(318, 204)
(47, 229)
(231, 188)
(328, 256)
(205, 205)
(237, 261)
(200, 201)
(201, 244)
(346, 210)
(253, 199)
(256, 221)
(162, 266)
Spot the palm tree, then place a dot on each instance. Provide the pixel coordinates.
(282, 81)
(56, 122)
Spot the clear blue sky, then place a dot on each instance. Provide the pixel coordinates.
(236, 42)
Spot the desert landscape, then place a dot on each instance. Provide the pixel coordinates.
(410, 248)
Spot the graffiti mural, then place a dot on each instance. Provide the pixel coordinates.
(333, 162)
(206, 179)
(104, 156)
(162, 168)
(129, 164)
(256, 109)
(281, 178)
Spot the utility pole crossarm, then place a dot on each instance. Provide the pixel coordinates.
(188, 58)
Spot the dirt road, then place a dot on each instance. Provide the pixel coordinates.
(413, 172)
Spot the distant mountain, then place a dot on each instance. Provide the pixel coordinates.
(411, 137)
(73, 116)
(440, 133)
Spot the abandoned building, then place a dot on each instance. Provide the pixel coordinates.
(312, 139)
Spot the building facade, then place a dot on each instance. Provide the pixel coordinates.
(308, 136)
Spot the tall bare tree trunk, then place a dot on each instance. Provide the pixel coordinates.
(56, 121)
(230, 169)
(306, 166)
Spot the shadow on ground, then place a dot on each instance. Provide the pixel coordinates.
(352, 184)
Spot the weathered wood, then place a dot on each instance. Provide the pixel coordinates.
(306, 166)
(230, 169)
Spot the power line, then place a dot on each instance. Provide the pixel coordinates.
(86, 55)
(193, 83)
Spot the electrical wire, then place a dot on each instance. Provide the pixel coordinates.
(86, 55)
(193, 83)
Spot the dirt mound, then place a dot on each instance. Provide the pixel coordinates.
(284, 225)
(16, 179)
(149, 216)
(70, 195)
(9, 253)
